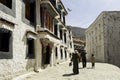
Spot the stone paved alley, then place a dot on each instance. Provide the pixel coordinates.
(62, 71)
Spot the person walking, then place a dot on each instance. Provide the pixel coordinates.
(83, 56)
(75, 61)
(93, 60)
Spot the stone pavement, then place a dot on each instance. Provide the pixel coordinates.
(62, 71)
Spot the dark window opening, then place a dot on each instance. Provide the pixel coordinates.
(55, 30)
(56, 53)
(64, 19)
(4, 40)
(61, 34)
(31, 49)
(61, 53)
(65, 54)
(30, 10)
(60, 15)
(7, 3)
(54, 1)
(65, 37)
(42, 16)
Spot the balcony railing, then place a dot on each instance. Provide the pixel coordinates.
(53, 2)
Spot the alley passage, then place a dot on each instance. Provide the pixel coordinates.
(62, 71)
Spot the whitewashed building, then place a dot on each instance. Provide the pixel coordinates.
(33, 36)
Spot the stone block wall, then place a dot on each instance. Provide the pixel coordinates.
(112, 26)
(103, 38)
(18, 63)
(95, 40)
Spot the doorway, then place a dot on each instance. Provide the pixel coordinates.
(46, 55)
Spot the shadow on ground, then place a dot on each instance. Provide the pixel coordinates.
(90, 68)
(65, 75)
(80, 68)
(86, 68)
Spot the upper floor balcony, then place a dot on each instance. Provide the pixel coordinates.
(51, 6)
(56, 8)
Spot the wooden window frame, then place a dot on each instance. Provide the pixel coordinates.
(48, 21)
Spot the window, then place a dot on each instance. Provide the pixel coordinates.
(5, 44)
(56, 53)
(42, 14)
(61, 34)
(61, 53)
(49, 21)
(64, 19)
(60, 15)
(30, 10)
(54, 1)
(31, 49)
(4, 40)
(65, 54)
(65, 37)
(55, 30)
(7, 3)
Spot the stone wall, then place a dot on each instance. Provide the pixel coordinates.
(103, 38)
(112, 26)
(95, 40)
(18, 63)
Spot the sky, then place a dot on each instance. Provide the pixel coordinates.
(84, 12)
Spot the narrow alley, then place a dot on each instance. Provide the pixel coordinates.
(62, 71)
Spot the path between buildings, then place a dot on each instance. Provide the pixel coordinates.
(62, 71)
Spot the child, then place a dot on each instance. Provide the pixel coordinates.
(93, 61)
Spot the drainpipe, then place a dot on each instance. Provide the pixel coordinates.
(37, 41)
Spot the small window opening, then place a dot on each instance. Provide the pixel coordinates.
(31, 49)
(61, 53)
(7, 3)
(4, 40)
(65, 54)
(55, 31)
(56, 53)
(30, 10)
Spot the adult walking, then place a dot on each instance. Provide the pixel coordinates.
(75, 60)
(83, 56)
